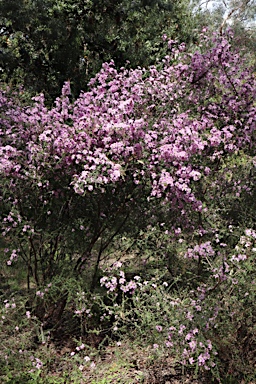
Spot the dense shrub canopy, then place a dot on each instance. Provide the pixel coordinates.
(141, 146)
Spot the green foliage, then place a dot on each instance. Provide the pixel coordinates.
(44, 43)
(172, 319)
(38, 49)
(159, 315)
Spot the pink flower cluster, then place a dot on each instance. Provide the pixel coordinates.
(137, 135)
(199, 251)
(112, 283)
(148, 123)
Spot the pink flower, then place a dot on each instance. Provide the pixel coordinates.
(192, 344)
(28, 314)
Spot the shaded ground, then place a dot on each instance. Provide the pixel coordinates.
(124, 364)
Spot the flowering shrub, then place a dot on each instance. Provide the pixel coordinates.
(199, 327)
(210, 328)
(156, 315)
(141, 145)
(158, 162)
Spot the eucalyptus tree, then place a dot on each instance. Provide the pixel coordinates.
(239, 15)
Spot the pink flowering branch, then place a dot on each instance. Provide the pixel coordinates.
(137, 141)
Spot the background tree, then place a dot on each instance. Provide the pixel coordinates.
(46, 42)
(218, 15)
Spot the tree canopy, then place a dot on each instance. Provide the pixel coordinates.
(46, 42)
